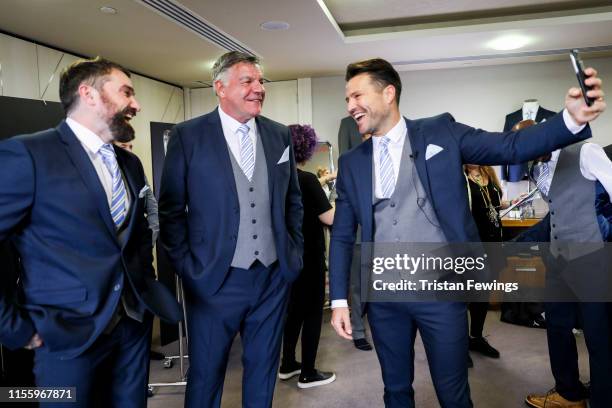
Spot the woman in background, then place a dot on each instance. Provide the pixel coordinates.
(485, 202)
(305, 310)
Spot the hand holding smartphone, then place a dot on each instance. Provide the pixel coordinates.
(579, 70)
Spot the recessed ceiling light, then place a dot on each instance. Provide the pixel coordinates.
(108, 10)
(274, 25)
(509, 42)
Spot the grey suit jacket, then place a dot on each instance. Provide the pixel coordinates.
(348, 134)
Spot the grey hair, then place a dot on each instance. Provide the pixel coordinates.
(229, 59)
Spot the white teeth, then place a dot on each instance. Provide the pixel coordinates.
(359, 116)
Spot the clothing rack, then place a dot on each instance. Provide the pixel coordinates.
(168, 362)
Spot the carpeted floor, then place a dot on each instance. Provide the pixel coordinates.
(523, 368)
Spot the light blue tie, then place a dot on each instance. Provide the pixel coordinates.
(387, 175)
(541, 180)
(118, 206)
(247, 153)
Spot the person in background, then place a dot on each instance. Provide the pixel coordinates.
(150, 201)
(152, 217)
(325, 178)
(576, 182)
(485, 202)
(305, 310)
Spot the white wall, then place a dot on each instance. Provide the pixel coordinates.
(478, 96)
(32, 71)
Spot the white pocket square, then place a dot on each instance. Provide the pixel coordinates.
(143, 192)
(284, 157)
(432, 150)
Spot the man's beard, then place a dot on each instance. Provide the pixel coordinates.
(120, 128)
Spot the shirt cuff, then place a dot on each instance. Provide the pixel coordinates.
(571, 125)
(339, 303)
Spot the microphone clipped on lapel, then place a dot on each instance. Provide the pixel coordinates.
(143, 192)
(432, 150)
(284, 157)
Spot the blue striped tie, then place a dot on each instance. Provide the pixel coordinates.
(118, 206)
(247, 153)
(542, 177)
(387, 175)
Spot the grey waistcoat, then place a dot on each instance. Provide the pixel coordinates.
(407, 216)
(571, 202)
(255, 236)
(131, 306)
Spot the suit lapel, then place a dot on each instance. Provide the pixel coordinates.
(364, 178)
(86, 170)
(271, 150)
(218, 149)
(540, 115)
(417, 142)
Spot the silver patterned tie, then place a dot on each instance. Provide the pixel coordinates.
(387, 175)
(542, 177)
(247, 152)
(119, 193)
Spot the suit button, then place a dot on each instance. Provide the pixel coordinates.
(552, 213)
(554, 225)
(256, 252)
(251, 189)
(255, 236)
(117, 287)
(252, 205)
(394, 222)
(549, 200)
(392, 205)
(253, 221)
(555, 237)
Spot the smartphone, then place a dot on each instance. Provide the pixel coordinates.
(579, 70)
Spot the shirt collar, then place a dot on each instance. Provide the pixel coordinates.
(232, 124)
(89, 139)
(555, 155)
(396, 134)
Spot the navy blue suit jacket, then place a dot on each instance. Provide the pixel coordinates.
(441, 176)
(54, 207)
(199, 211)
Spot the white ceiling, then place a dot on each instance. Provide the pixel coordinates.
(324, 35)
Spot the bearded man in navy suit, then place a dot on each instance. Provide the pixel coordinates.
(74, 208)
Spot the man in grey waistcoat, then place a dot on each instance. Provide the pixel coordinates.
(231, 215)
(576, 182)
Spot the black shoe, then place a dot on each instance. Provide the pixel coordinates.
(288, 371)
(470, 362)
(362, 344)
(316, 379)
(482, 346)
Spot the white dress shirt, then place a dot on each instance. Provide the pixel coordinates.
(530, 110)
(594, 165)
(397, 134)
(230, 127)
(91, 144)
